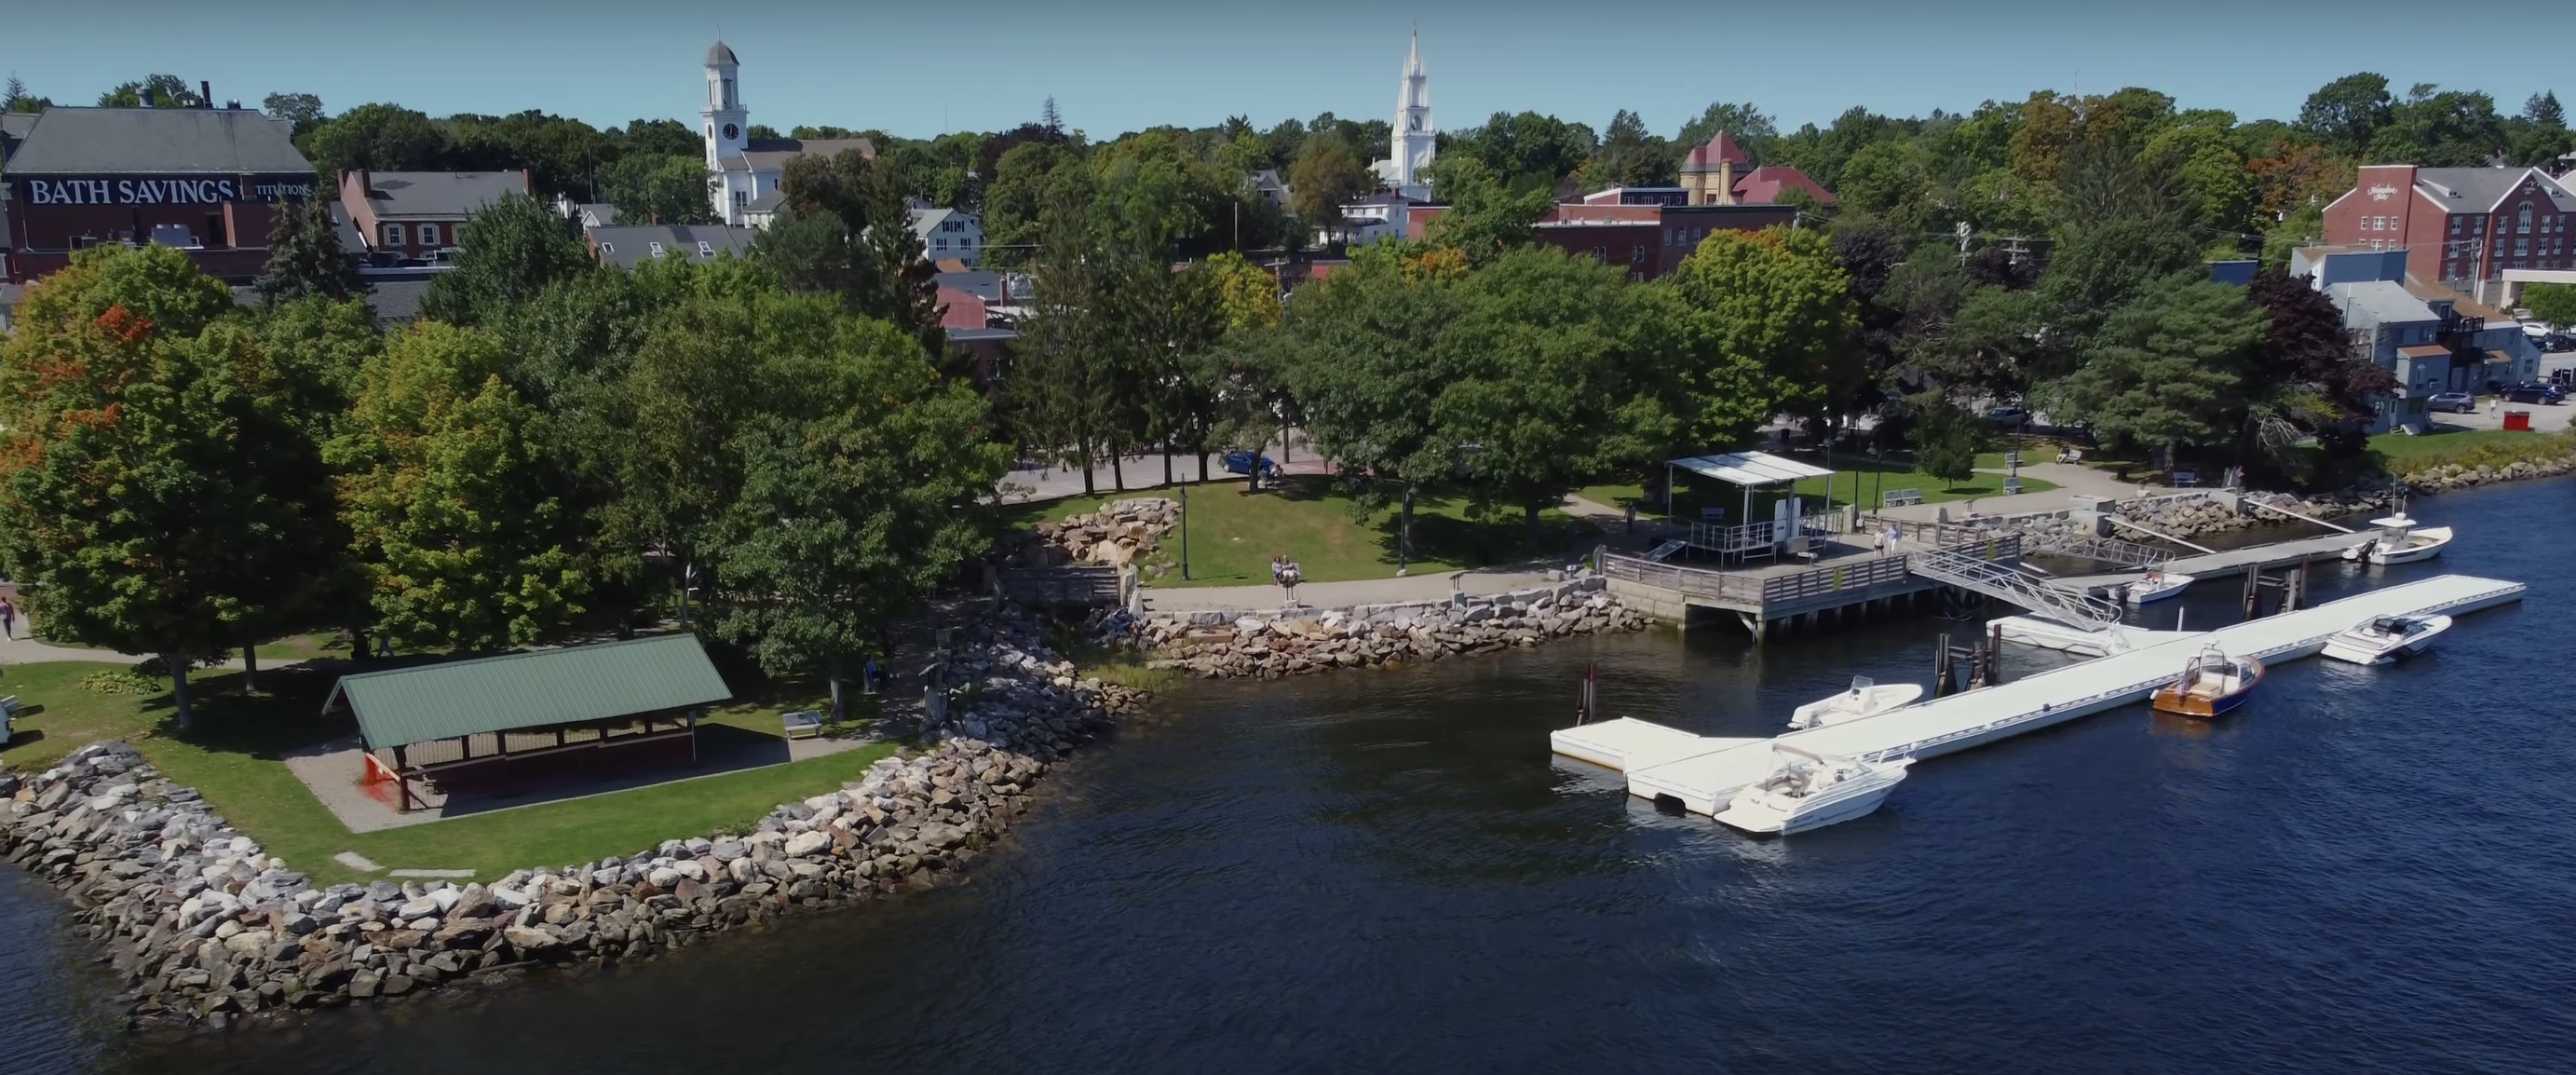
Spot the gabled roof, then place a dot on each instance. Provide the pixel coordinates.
(1765, 184)
(1719, 150)
(772, 154)
(629, 246)
(538, 689)
(402, 196)
(1750, 468)
(2379, 301)
(2481, 190)
(156, 141)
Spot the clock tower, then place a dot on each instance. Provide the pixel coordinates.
(726, 122)
(1415, 138)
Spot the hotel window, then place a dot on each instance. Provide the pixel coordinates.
(2521, 248)
(2457, 223)
(1636, 255)
(657, 250)
(741, 199)
(2525, 225)
(393, 235)
(429, 235)
(706, 250)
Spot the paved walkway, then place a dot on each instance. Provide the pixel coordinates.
(1431, 586)
(1145, 472)
(332, 770)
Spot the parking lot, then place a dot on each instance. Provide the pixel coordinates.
(2545, 418)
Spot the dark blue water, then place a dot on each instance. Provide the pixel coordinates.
(2365, 870)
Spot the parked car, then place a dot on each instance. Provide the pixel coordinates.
(2454, 402)
(2009, 417)
(2535, 392)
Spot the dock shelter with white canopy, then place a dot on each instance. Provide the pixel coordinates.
(1750, 471)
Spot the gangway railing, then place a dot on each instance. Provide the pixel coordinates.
(2155, 533)
(2107, 550)
(2300, 516)
(2008, 582)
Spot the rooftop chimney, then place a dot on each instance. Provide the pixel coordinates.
(206, 93)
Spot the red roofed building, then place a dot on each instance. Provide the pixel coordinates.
(1721, 173)
(1764, 185)
(961, 309)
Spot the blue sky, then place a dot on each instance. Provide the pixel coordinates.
(918, 69)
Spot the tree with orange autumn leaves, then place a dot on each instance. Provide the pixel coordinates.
(163, 495)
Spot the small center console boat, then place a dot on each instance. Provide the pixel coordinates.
(1864, 699)
(1810, 791)
(2400, 541)
(2159, 585)
(2386, 639)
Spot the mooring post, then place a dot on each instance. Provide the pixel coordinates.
(2253, 590)
(1941, 670)
(1995, 656)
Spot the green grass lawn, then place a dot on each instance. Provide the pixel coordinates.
(232, 757)
(1863, 479)
(2469, 447)
(1234, 533)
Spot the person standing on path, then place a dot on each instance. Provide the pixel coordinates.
(8, 619)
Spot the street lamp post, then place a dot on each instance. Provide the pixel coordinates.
(1185, 532)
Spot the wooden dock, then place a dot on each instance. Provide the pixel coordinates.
(2229, 563)
(1763, 596)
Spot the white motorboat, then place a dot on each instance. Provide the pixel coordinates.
(2386, 639)
(2400, 541)
(1810, 791)
(1864, 699)
(2157, 586)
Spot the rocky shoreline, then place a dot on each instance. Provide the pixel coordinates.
(206, 929)
(1276, 643)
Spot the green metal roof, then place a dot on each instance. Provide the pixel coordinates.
(530, 690)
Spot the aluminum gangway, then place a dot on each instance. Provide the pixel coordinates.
(2257, 502)
(1661, 762)
(2155, 533)
(2008, 582)
(2108, 550)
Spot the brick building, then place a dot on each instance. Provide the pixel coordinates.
(1650, 241)
(2461, 226)
(411, 217)
(203, 180)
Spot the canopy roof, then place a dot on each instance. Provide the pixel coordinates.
(1750, 468)
(540, 689)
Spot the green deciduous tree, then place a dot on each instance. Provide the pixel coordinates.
(460, 525)
(1485, 218)
(383, 137)
(849, 516)
(665, 189)
(305, 258)
(302, 109)
(2553, 303)
(513, 248)
(1771, 323)
(1326, 177)
(2348, 112)
(15, 98)
(1946, 439)
(158, 490)
(157, 91)
(1247, 293)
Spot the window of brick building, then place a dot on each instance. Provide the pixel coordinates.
(429, 235)
(393, 235)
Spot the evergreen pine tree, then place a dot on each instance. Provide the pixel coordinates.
(305, 258)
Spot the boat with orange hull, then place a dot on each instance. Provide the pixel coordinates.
(2213, 684)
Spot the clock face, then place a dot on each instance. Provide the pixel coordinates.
(732, 132)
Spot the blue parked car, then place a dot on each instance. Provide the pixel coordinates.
(1245, 462)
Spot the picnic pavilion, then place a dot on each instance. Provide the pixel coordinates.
(494, 721)
(1744, 537)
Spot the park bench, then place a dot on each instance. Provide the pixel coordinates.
(804, 725)
(2070, 455)
(8, 718)
(2012, 486)
(1897, 498)
(2185, 479)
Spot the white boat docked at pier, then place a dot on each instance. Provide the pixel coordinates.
(2400, 541)
(1806, 790)
(2386, 639)
(2157, 586)
(1864, 699)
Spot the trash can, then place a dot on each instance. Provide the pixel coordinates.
(2520, 420)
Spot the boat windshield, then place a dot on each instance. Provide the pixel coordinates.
(1862, 684)
(2391, 625)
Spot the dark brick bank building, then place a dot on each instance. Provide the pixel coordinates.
(204, 180)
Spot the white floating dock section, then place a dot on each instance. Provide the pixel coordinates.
(1704, 774)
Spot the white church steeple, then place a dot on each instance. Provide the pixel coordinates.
(726, 120)
(1416, 138)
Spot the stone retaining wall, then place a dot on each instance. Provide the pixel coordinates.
(205, 928)
(1272, 643)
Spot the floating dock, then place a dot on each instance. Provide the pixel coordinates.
(1704, 771)
(2228, 563)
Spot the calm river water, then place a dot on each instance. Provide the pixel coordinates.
(2365, 870)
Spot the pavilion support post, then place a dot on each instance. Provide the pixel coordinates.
(402, 779)
(693, 737)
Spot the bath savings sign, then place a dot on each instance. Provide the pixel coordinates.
(174, 190)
